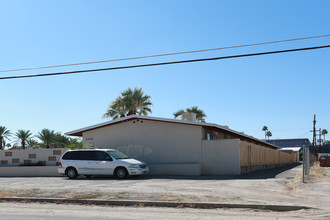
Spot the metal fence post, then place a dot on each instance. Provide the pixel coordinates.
(306, 163)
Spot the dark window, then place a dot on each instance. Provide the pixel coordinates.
(67, 156)
(85, 155)
(101, 155)
(79, 155)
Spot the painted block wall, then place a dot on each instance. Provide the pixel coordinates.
(221, 157)
(47, 156)
(156, 143)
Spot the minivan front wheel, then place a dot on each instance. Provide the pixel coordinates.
(71, 173)
(121, 173)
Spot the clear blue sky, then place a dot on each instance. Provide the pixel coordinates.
(281, 91)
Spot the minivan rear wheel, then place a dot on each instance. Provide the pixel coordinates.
(121, 173)
(71, 173)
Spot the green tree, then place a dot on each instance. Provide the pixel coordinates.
(47, 138)
(4, 134)
(200, 115)
(22, 136)
(177, 113)
(265, 129)
(75, 144)
(61, 141)
(130, 102)
(32, 143)
(324, 132)
(269, 134)
(116, 110)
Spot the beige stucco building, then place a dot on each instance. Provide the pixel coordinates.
(181, 147)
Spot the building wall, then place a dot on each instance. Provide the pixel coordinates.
(221, 157)
(254, 157)
(168, 148)
(46, 157)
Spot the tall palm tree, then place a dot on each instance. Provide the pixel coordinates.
(4, 134)
(177, 113)
(130, 102)
(200, 115)
(23, 136)
(265, 129)
(32, 143)
(116, 109)
(324, 132)
(61, 140)
(47, 138)
(269, 134)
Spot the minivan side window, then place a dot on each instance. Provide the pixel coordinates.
(79, 155)
(101, 156)
(85, 155)
(67, 156)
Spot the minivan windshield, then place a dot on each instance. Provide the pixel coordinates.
(118, 155)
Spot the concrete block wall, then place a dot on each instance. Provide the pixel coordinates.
(221, 157)
(44, 157)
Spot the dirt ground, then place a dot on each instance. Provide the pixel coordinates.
(281, 186)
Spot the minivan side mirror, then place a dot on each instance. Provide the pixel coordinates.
(108, 158)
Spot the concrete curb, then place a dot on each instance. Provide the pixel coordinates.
(277, 208)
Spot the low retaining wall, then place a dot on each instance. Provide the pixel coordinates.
(29, 171)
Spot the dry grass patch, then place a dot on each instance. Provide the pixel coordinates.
(315, 173)
(19, 193)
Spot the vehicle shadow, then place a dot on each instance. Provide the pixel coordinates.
(287, 172)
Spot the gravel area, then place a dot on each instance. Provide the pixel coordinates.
(280, 186)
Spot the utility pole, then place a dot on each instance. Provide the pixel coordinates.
(314, 134)
(320, 137)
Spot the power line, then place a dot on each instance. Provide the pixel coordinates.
(167, 54)
(164, 63)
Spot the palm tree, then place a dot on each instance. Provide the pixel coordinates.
(269, 134)
(177, 113)
(265, 129)
(130, 102)
(324, 132)
(32, 143)
(47, 138)
(23, 136)
(61, 140)
(116, 109)
(4, 134)
(200, 115)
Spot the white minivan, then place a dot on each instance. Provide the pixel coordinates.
(90, 162)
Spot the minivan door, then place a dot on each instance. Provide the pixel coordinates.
(102, 164)
(84, 162)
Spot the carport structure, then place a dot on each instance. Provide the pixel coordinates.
(182, 147)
